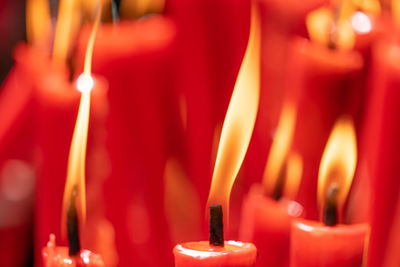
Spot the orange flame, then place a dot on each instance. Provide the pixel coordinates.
(67, 27)
(138, 8)
(396, 11)
(77, 153)
(239, 121)
(38, 22)
(320, 25)
(338, 162)
(294, 172)
(280, 148)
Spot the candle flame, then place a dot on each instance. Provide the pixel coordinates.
(280, 148)
(294, 172)
(338, 162)
(38, 22)
(138, 8)
(66, 29)
(321, 25)
(239, 121)
(77, 153)
(396, 11)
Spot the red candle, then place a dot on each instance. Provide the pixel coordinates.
(315, 245)
(266, 223)
(135, 57)
(267, 211)
(332, 244)
(232, 254)
(321, 83)
(56, 256)
(380, 159)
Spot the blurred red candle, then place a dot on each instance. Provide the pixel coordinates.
(267, 210)
(380, 146)
(321, 83)
(314, 244)
(136, 58)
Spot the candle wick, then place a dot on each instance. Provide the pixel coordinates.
(216, 226)
(73, 224)
(333, 33)
(115, 4)
(280, 183)
(330, 215)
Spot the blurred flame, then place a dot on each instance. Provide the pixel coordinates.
(138, 8)
(361, 22)
(66, 29)
(338, 161)
(280, 148)
(321, 25)
(77, 153)
(239, 121)
(396, 11)
(294, 173)
(38, 22)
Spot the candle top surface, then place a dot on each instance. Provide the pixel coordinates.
(203, 247)
(315, 226)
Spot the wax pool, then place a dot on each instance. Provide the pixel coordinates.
(199, 254)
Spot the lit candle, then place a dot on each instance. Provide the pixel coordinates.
(74, 200)
(315, 244)
(267, 210)
(324, 78)
(235, 138)
(135, 57)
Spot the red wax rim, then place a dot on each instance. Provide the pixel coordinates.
(204, 249)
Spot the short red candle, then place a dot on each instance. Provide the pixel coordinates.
(200, 254)
(56, 256)
(266, 223)
(315, 245)
(321, 83)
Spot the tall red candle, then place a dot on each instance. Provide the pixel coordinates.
(379, 146)
(321, 82)
(135, 57)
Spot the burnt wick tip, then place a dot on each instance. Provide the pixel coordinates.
(330, 214)
(73, 225)
(216, 226)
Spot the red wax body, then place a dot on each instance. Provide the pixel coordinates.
(135, 58)
(322, 83)
(380, 156)
(200, 254)
(316, 245)
(266, 223)
(55, 256)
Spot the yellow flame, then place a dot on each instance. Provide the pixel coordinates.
(138, 8)
(67, 26)
(320, 24)
(280, 148)
(338, 161)
(294, 172)
(239, 121)
(77, 153)
(396, 11)
(372, 7)
(38, 22)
